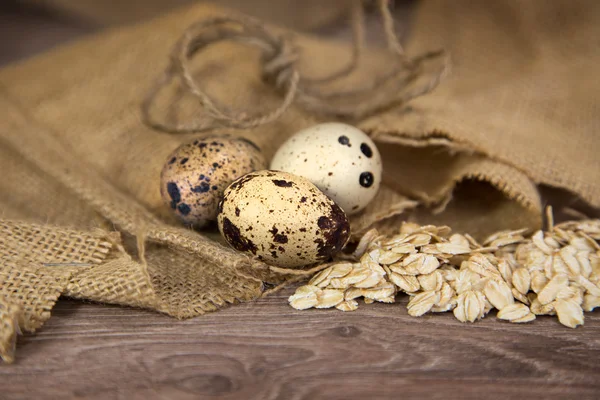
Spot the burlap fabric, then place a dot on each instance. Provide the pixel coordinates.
(313, 14)
(518, 110)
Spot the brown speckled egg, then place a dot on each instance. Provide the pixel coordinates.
(196, 174)
(282, 218)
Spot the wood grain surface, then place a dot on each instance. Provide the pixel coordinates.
(266, 350)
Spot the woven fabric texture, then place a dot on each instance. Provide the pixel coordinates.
(79, 164)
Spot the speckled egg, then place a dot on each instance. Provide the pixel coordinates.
(281, 218)
(196, 174)
(339, 159)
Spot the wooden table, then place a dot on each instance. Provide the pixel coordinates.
(267, 350)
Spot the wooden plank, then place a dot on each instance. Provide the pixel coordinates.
(266, 350)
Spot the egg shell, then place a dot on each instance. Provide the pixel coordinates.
(339, 159)
(196, 174)
(283, 219)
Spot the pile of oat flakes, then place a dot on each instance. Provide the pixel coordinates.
(550, 273)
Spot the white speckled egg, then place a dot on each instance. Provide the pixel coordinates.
(339, 159)
(281, 218)
(196, 174)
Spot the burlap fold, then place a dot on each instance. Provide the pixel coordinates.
(515, 112)
(522, 92)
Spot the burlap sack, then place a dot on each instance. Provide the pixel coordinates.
(516, 111)
(308, 15)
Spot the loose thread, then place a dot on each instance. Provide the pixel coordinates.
(300, 272)
(358, 40)
(283, 285)
(388, 27)
(279, 68)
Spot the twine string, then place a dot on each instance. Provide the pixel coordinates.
(279, 59)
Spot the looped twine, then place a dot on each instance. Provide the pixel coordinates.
(279, 68)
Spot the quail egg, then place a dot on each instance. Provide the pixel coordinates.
(196, 174)
(281, 218)
(339, 159)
